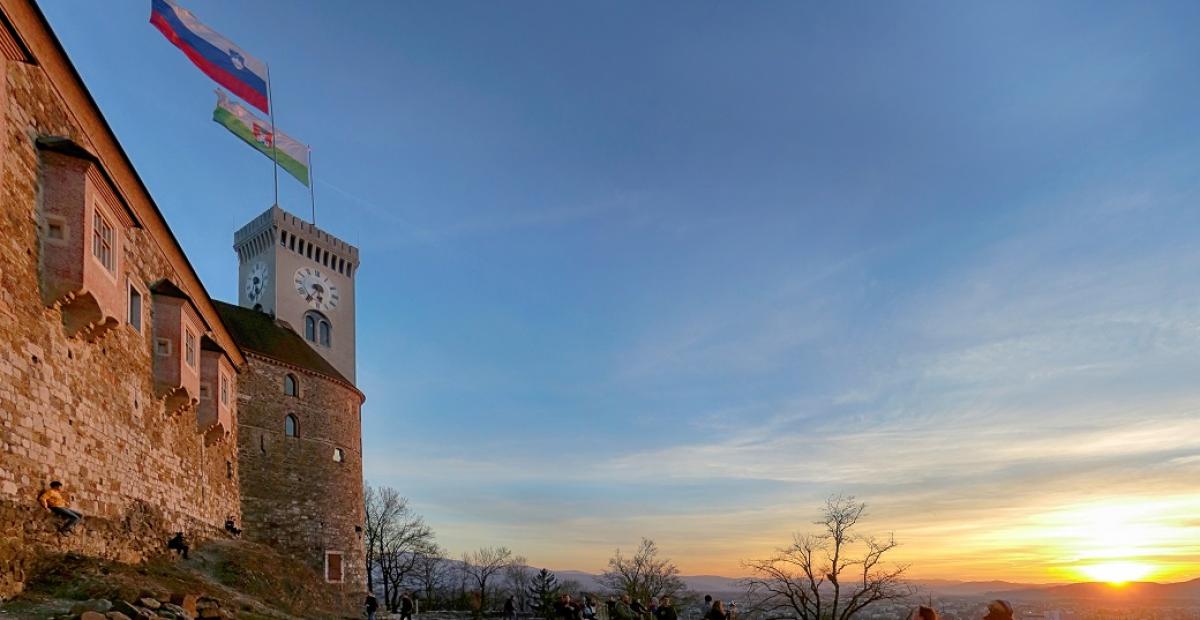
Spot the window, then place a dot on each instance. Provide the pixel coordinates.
(162, 347)
(189, 347)
(290, 428)
(283, 238)
(338, 455)
(135, 308)
(324, 329)
(56, 229)
(292, 243)
(310, 328)
(224, 390)
(333, 566)
(102, 240)
(205, 391)
(290, 386)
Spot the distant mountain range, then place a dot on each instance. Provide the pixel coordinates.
(1140, 591)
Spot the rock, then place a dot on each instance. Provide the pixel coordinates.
(149, 603)
(175, 609)
(211, 612)
(116, 615)
(130, 612)
(91, 615)
(95, 604)
(186, 602)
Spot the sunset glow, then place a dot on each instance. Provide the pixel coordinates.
(1117, 572)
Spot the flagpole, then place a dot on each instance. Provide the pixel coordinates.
(274, 155)
(312, 188)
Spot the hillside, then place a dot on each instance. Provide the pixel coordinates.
(1137, 592)
(228, 578)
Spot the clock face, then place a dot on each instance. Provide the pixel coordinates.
(316, 289)
(256, 282)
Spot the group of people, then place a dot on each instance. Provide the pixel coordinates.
(996, 610)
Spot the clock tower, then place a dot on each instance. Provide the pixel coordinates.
(304, 276)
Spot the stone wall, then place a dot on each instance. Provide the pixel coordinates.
(86, 412)
(295, 497)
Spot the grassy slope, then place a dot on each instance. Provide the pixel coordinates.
(250, 579)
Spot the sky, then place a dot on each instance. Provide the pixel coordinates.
(682, 270)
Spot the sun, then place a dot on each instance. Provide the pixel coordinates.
(1117, 573)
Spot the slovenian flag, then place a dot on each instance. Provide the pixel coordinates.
(291, 155)
(216, 56)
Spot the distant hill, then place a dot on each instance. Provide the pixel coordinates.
(1145, 592)
(696, 583)
(947, 587)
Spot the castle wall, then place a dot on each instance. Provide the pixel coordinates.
(86, 412)
(295, 496)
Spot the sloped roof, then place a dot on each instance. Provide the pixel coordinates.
(260, 333)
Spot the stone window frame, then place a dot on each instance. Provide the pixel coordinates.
(135, 289)
(104, 240)
(339, 455)
(295, 391)
(205, 391)
(55, 222)
(162, 347)
(225, 388)
(295, 424)
(189, 347)
(341, 566)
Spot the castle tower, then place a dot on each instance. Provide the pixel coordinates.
(300, 444)
(303, 275)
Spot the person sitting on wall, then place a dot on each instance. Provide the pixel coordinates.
(178, 544)
(52, 499)
(231, 526)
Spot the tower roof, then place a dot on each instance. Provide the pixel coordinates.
(261, 333)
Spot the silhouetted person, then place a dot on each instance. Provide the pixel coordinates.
(999, 610)
(371, 605)
(716, 612)
(588, 610)
(923, 613)
(707, 604)
(510, 608)
(665, 610)
(178, 544)
(406, 607)
(622, 610)
(52, 499)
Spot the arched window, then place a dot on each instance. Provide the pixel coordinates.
(324, 332)
(317, 328)
(290, 386)
(338, 455)
(290, 427)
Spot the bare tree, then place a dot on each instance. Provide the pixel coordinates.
(833, 575)
(481, 565)
(642, 576)
(396, 536)
(431, 573)
(517, 578)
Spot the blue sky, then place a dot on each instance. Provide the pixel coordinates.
(680, 270)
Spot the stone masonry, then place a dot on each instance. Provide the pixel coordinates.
(295, 496)
(86, 412)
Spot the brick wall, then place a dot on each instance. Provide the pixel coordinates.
(295, 497)
(86, 412)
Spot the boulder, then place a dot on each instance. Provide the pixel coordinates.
(91, 615)
(186, 602)
(116, 615)
(175, 609)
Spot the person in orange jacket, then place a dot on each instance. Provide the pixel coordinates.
(52, 499)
